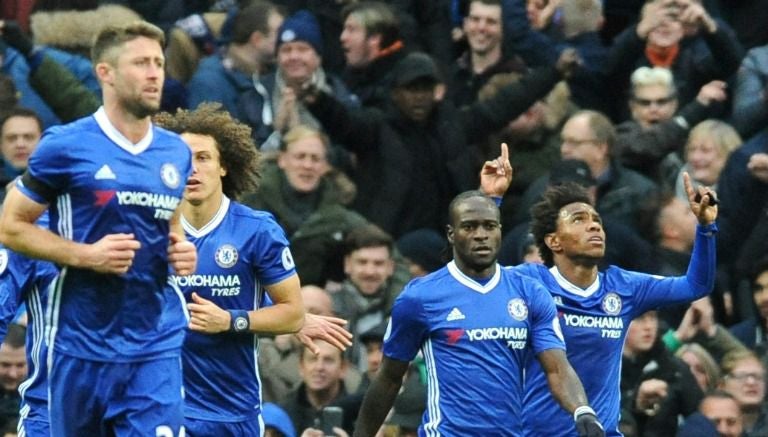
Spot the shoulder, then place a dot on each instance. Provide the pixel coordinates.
(429, 287)
(254, 220)
(72, 134)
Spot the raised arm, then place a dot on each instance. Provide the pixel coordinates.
(567, 389)
(703, 202)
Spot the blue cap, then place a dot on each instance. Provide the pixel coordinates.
(301, 26)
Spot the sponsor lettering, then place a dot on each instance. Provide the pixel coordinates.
(219, 281)
(164, 204)
(603, 322)
(498, 333)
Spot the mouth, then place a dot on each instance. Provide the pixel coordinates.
(482, 250)
(193, 183)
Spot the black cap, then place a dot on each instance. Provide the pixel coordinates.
(414, 66)
(571, 170)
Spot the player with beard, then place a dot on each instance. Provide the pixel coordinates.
(478, 326)
(112, 183)
(596, 307)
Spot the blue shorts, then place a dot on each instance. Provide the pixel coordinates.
(93, 398)
(208, 428)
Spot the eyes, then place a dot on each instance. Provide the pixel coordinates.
(472, 226)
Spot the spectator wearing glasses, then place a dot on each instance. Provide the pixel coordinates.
(657, 129)
(590, 136)
(744, 378)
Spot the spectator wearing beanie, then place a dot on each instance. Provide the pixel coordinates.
(271, 107)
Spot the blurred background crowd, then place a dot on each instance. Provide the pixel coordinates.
(372, 116)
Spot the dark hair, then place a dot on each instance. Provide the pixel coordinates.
(377, 19)
(461, 197)
(16, 336)
(19, 111)
(111, 37)
(253, 18)
(9, 95)
(233, 139)
(544, 214)
(368, 235)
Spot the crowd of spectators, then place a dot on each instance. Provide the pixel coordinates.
(372, 116)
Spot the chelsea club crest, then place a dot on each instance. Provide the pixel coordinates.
(226, 256)
(612, 304)
(517, 309)
(170, 175)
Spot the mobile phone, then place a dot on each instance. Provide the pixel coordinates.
(331, 417)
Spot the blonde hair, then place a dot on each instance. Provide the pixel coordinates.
(724, 136)
(300, 132)
(646, 76)
(736, 357)
(707, 362)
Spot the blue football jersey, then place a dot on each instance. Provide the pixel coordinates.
(239, 252)
(25, 280)
(595, 322)
(104, 184)
(476, 340)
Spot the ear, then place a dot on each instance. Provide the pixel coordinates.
(449, 233)
(281, 160)
(374, 42)
(103, 72)
(347, 264)
(223, 172)
(552, 242)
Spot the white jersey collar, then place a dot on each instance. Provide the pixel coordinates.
(111, 131)
(575, 289)
(211, 225)
(471, 283)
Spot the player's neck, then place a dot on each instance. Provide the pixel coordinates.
(199, 214)
(132, 128)
(579, 274)
(475, 272)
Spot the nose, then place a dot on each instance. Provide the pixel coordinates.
(595, 225)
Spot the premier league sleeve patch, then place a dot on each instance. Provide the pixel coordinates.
(517, 309)
(170, 175)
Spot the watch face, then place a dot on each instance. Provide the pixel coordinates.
(241, 324)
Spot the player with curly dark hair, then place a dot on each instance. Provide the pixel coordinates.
(239, 155)
(242, 253)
